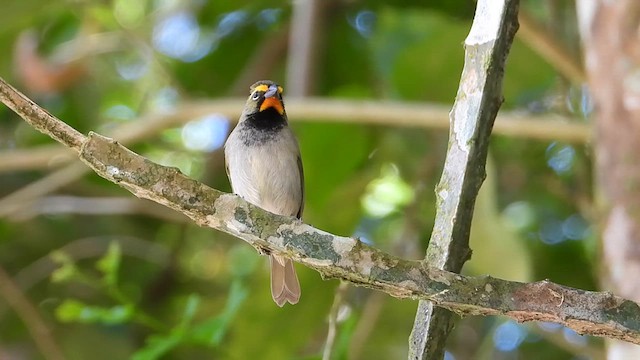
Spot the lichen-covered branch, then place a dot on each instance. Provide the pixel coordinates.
(476, 106)
(593, 313)
(349, 259)
(39, 118)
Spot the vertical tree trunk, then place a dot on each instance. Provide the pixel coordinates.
(611, 36)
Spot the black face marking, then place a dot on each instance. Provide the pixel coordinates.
(268, 120)
(262, 126)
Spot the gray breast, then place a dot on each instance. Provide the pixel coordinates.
(263, 168)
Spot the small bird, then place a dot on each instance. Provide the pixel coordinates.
(265, 168)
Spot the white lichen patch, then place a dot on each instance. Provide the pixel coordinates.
(276, 241)
(488, 288)
(236, 226)
(343, 245)
(225, 207)
(112, 171)
(443, 193)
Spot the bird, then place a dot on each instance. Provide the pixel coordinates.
(264, 167)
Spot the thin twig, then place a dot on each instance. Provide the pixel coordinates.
(34, 158)
(550, 49)
(29, 315)
(94, 206)
(22, 198)
(334, 313)
(366, 325)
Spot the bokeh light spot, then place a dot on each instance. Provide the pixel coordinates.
(267, 17)
(129, 13)
(179, 36)
(508, 336)
(206, 134)
(560, 157)
(387, 193)
(573, 337)
(120, 112)
(165, 99)
(579, 101)
(364, 22)
(520, 215)
(131, 67)
(230, 22)
(575, 227)
(551, 232)
(549, 326)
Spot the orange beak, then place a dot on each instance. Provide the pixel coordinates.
(272, 102)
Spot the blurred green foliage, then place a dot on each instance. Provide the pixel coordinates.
(121, 285)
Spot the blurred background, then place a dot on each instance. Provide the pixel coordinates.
(114, 277)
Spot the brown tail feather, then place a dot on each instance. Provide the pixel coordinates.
(284, 281)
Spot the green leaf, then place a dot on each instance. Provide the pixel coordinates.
(72, 310)
(67, 269)
(64, 273)
(156, 346)
(69, 310)
(193, 301)
(110, 263)
(213, 330)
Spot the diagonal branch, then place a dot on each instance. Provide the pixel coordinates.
(474, 111)
(550, 48)
(39, 330)
(593, 313)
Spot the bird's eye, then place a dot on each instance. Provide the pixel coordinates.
(255, 96)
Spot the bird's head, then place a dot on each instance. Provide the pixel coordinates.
(266, 99)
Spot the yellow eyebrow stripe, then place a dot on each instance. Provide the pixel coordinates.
(264, 88)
